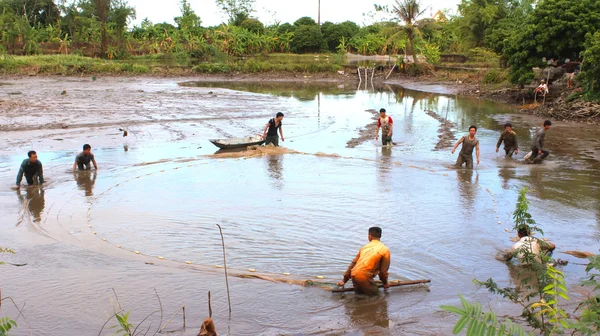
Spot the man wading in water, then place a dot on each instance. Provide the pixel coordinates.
(83, 159)
(537, 147)
(466, 152)
(32, 169)
(372, 259)
(386, 124)
(510, 141)
(270, 132)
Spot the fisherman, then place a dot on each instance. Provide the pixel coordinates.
(386, 124)
(32, 169)
(528, 245)
(510, 141)
(270, 132)
(537, 146)
(466, 152)
(83, 159)
(372, 259)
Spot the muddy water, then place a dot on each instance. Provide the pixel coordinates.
(161, 190)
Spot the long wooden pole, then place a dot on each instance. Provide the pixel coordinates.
(380, 285)
(225, 265)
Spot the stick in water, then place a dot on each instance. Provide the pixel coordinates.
(380, 285)
(225, 266)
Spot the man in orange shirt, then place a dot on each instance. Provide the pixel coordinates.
(372, 259)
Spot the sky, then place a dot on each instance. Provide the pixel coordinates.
(271, 11)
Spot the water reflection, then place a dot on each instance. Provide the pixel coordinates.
(506, 174)
(33, 201)
(467, 187)
(384, 166)
(85, 181)
(275, 169)
(366, 312)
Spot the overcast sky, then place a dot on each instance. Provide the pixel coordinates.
(268, 11)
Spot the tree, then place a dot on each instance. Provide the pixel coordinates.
(590, 70)
(555, 29)
(305, 21)
(285, 28)
(333, 33)
(308, 38)
(44, 12)
(101, 11)
(408, 11)
(236, 10)
(476, 18)
(253, 25)
(188, 19)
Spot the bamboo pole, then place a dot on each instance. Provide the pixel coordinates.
(225, 265)
(372, 74)
(366, 78)
(380, 285)
(389, 73)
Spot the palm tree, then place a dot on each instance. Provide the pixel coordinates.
(408, 11)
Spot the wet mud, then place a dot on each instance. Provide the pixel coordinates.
(293, 217)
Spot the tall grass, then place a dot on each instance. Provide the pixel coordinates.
(65, 65)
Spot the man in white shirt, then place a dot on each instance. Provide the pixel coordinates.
(542, 89)
(530, 244)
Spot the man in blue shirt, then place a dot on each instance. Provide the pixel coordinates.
(32, 169)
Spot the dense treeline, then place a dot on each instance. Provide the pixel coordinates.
(522, 33)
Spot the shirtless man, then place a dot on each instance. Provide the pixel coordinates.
(372, 259)
(466, 152)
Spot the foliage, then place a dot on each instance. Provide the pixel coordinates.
(308, 38)
(236, 10)
(6, 324)
(305, 21)
(590, 69)
(253, 26)
(66, 65)
(257, 66)
(43, 12)
(189, 19)
(479, 323)
(495, 76)
(407, 11)
(419, 69)
(333, 33)
(543, 35)
(5, 250)
(125, 328)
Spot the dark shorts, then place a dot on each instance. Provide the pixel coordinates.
(274, 139)
(386, 140)
(32, 179)
(534, 154)
(464, 159)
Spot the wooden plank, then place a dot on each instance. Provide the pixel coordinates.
(380, 285)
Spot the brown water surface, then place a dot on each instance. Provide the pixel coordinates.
(302, 210)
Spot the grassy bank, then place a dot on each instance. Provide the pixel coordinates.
(77, 65)
(65, 65)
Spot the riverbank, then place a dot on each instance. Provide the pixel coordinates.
(562, 104)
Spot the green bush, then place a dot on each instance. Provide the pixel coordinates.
(590, 70)
(495, 76)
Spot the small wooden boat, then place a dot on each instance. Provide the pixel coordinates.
(238, 142)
